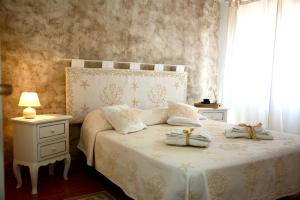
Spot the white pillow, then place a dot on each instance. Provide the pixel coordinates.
(182, 121)
(123, 119)
(183, 114)
(153, 116)
(182, 110)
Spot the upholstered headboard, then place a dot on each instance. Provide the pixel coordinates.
(91, 88)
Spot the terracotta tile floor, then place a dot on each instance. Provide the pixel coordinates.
(82, 180)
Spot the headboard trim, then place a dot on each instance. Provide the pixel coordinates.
(132, 65)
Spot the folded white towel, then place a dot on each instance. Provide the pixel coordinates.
(178, 137)
(242, 132)
(241, 129)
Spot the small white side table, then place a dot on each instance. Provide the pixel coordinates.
(40, 141)
(219, 114)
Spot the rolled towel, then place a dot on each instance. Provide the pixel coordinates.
(183, 138)
(246, 131)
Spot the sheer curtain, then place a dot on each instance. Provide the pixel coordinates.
(285, 97)
(262, 70)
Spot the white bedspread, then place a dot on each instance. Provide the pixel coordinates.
(146, 168)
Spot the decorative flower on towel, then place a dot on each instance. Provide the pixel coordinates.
(188, 133)
(251, 129)
(111, 94)
(158, 94)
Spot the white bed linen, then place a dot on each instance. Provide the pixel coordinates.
(146, 168)
(94, 123)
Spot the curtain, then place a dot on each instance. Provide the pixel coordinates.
(285, 97)
(262, 70)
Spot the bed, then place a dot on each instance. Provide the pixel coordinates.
(146, 168)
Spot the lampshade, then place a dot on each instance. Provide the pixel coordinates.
(29, 99)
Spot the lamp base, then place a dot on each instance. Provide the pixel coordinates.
(29, 113)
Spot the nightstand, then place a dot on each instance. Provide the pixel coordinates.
(219, 114)
(40, 141)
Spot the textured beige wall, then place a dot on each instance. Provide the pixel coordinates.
(36, 34)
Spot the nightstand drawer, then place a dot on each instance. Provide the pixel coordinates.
(51, 130)
(214, 115)
(52, 149)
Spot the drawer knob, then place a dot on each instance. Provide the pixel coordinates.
(52, 131)
(53, 149)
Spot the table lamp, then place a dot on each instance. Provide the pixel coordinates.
(29, 100)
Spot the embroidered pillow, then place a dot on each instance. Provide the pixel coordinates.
(182, 110)
(123, 119)
(183, 114)
(153, 116)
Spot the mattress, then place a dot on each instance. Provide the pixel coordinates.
(146, 168)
